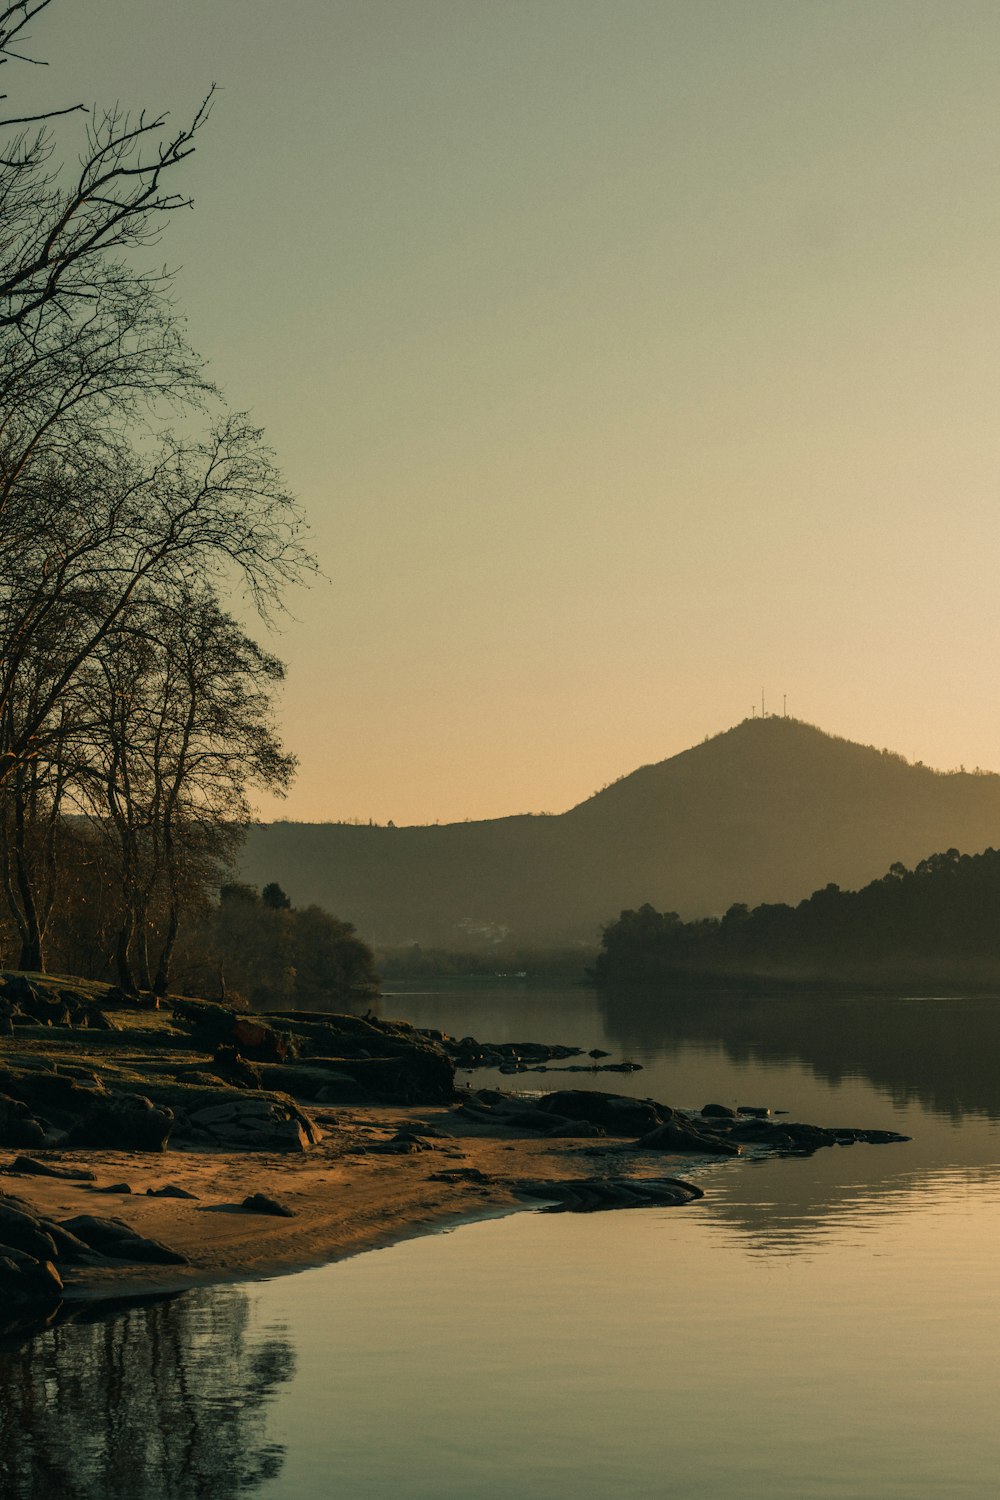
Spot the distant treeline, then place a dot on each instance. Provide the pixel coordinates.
(236, 943)
(273, 956)
(939, 919)
(411, 962)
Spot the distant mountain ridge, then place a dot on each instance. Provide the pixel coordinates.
(767, 811)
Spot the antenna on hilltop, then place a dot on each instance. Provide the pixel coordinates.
(784, 705)
(762, 713)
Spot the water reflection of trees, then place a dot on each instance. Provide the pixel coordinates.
(938, 1052)
(156, 1402)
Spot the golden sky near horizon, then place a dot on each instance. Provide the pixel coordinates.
(626, 355)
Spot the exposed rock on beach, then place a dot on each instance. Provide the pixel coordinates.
(216, 1144)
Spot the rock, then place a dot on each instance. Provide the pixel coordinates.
(60, 1099)
(113, 1187)
(400, 1145)
(219, 1028)
(68, 1246)
(392, 1062)
(458, 1174)
(783, 1137)
(262, 1043)
(718, 1112)
(258, 1121)
(216, 1114)
(23, 1232)
(112, 1237)
(757, 1111)
(509, 1057)
(418, 1137)
(615, 1113)
(40, 1002)
(678, 1135)
(575, 1130)
(599, 1194)
(847, 1137)
(18, 1127)
(234, 1068)
(420, 1075)
(27, 1166)
(260, 1203)
(169, 1190)
(24, 1279)
(532, 1119)
(126, 1122)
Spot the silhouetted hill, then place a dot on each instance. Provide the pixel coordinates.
(767, 811)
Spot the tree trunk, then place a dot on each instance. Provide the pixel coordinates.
(123, 962)
(161, 981)
(32, 957)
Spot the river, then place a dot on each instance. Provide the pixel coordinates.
(814, 1327)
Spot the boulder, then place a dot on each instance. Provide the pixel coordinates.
(615, 1113)
(679, 1135)
(124, 1122)
(18, 1126)
(216, 1027)
(260, 1203)
(29, 1166)
(389, 1062)
(232, 1066)
(257, 1122)
(41, 1002)
(847, 1137)
(23, 1232)
(419, 1075)
(599, 1194)
(113, 1238)
(24, 1279)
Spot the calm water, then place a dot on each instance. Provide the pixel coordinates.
(825, 1327)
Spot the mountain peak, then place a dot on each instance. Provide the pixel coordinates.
(769, 810)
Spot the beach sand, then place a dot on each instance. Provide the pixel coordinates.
(346, 1196)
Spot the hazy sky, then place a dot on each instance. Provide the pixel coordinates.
(626, 357)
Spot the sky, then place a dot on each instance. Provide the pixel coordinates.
(628, 357)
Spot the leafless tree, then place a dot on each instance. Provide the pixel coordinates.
(94, 532)
(119, 667)
(182, 708)
(65, 230)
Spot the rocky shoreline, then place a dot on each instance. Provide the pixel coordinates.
(153, 1149)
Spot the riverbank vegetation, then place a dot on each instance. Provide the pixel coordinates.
(938, 920)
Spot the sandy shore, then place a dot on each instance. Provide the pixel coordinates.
(346, 1196)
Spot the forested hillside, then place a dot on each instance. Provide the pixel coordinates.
(767, 811)
(938, 920)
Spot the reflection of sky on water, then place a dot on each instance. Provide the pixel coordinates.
(650, 1355)
(815, 1327)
